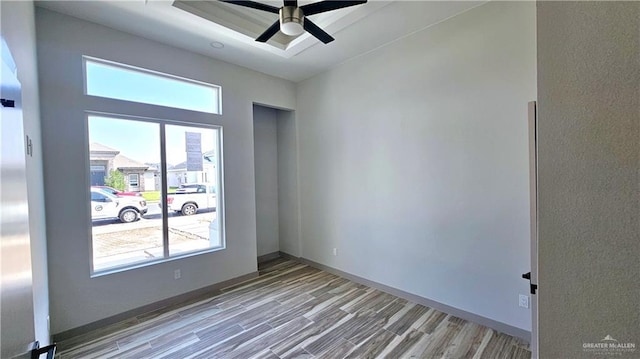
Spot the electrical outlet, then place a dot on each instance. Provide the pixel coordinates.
(523, 301)
(177, 274)
(335, 251)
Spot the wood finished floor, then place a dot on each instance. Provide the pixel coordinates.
(295, 311)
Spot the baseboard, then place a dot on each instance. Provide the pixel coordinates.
(214, 289)
(211, 290)
(268, 257)
(498, 326)
(289, 256)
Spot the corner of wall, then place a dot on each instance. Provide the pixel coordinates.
(288, 183)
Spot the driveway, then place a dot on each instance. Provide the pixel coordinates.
(116, 243)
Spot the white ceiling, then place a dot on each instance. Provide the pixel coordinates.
(357, 30)
(238, 20)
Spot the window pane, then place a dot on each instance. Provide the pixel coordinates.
(192, 178)
(137, 85)
(125, 190)
(133, 180)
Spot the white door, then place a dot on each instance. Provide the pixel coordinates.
(212, 200)
(16, 285)
(533, 195)
(149, 181)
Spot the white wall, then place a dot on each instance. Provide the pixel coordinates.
(265, 147)
(288, 198)
(589, 162)
(18, 29)
(76, 298)
(413, 162)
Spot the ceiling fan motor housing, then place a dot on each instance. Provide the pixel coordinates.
(291, 20)
(291, 17)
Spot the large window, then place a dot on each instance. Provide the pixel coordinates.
(122, 82)
(133, 219)
(156, 185)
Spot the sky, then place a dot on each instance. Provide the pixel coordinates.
(122, 83)
(140, 140)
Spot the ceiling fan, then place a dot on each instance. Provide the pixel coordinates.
(292, 20)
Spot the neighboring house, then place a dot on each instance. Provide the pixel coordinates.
(178, 174)
(138, 176)
(100, 162)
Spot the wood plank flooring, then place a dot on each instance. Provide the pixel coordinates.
(295, 311)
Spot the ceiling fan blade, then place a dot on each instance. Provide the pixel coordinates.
(254, 5)
(272, 30)
(328, 5)
(290, 2)
(314, 30)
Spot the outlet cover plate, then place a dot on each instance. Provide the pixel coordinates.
(523, 301)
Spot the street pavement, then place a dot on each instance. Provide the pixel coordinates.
(198, 226)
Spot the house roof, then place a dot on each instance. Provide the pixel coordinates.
(121, 162)
(153, 166)
(99, 147)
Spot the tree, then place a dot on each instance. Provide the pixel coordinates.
(115, 179)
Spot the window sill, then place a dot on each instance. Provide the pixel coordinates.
(125, 268)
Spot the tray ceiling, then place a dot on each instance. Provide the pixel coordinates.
(199, 25)
(252, 22)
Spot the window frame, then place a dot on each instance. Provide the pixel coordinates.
(128, 67)
(220, 210)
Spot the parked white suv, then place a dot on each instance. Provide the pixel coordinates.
(104, 205)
